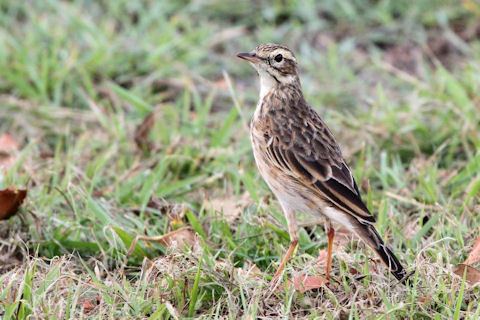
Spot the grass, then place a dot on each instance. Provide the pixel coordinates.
(395, 80)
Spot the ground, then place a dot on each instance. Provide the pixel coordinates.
(131, 118)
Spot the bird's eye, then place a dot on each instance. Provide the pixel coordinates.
(278, 58)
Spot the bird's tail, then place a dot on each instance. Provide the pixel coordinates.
(369, 234)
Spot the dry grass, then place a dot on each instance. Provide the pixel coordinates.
(396, 81)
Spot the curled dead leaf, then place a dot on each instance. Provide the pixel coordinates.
(472, 275)
(424, 299)
(173, 240)
(474, 255)
(89, 305)
(179, 238)
(10, 201)
(303, 283)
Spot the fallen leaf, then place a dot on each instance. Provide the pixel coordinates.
(474, 255)
(303, 283)
(89, 305)
(353, 271)
(179, 238)
(425, 299)
(231, 206)
(8, 150)
(10, 201)
(142, 133)
(472, 275)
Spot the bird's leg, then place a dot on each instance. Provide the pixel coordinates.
(286, 257)
(330, 234)
(293, 232)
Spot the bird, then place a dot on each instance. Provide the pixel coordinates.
(302, 163)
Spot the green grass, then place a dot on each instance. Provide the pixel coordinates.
(78, 77)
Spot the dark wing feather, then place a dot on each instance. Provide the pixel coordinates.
(344, 198)
(314, 158)
(333, 187)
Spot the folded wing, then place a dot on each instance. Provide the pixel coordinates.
(333, 180)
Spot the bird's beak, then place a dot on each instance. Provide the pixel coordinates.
(249, 56)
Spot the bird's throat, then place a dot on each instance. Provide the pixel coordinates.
(267, 83)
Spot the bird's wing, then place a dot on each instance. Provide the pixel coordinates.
(304, 147)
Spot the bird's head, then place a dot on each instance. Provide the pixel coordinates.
(276, 65)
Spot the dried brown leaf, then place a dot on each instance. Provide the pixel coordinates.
(179, 238)
(89, 305)
(474, 255)
(303, 283)
(472, 274)
(183, 237)
(10, 201)
(425, 299)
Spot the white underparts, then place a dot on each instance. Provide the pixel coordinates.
(267, 82)
(337, 216)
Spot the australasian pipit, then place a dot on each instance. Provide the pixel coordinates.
(300, 160)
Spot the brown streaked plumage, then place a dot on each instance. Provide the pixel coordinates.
(300, 160)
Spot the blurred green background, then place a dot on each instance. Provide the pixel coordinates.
(397, 82)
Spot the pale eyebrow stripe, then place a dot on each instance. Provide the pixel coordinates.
(286, 55)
